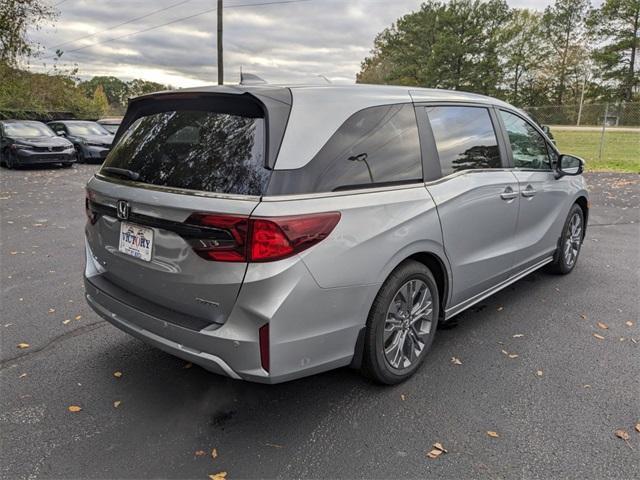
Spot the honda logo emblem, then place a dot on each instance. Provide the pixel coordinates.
(123, 209)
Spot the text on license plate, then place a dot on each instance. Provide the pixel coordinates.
(136, 241)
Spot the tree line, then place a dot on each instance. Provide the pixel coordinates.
(526, 57)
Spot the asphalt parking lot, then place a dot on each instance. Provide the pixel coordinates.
(555, 406)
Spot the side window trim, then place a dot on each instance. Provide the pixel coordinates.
(508, 143)
(432, 150)
(431, 169)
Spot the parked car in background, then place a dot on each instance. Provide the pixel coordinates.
(110, 124)
(92, 140)
(268, 233)
(25, 142)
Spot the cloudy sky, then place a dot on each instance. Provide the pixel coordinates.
(281, 40)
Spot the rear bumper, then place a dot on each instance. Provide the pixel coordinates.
(311, 329)
(29, 157)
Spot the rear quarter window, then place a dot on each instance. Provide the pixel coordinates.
(376, 146)
(195, 150)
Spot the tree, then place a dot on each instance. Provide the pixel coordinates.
(616, 27)
(100, 100)
(114, 89)
(15, 17)
(524, 56)
(137, 87)
(563, 24)
(447, 45)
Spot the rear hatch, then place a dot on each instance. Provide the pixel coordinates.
(168, 208)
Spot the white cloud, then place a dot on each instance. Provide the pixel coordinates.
(285, 42)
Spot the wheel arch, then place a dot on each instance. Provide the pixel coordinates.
(583, 203)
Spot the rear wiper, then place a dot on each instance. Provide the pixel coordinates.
(122, 172)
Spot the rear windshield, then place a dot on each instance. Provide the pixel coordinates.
(195, 150)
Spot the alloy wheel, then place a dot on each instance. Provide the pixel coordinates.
(408, 322)
(573, 239)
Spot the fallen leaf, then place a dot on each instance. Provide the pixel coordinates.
(116, 404)
(505, 352)
(603, 326)
(629, 323)
(586, 386)
(637, 427)
(433, 454)
(187, 365)
(274, 445)
(539, 373)
(493, 434)
(78, 317)
(634, 340)
(518, 335)
(214, 453)
(513, 355)
(622, 434)
(74, 408)
(23, 345)
(500, 308)
(583, 316)
(66, 322)
(439, 446)
(402, 397)
(117, 374)
(200, 453)
(13, 253)
(22, 375)
(456, 361)
(218, 476)
(51, 310)
(599, 337)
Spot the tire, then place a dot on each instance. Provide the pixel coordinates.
(388, 323)
(566, 256)
(9, 160)
(67, 164)
(80, 155)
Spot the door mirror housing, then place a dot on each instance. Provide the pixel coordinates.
(61, 133)
(569, 165)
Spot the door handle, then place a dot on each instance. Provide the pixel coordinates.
(508, 194)
(529, 192)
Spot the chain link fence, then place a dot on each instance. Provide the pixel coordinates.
(607, 136)
(591, 114)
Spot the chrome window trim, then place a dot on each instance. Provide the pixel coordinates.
(342, 193)
(470, 170)
(180, 191)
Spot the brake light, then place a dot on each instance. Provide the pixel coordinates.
(262, 239)
(91, 216)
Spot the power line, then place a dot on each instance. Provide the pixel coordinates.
(173, 5)
(204, 12)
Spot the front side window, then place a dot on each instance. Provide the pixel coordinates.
(465, 138)
(374, 147)
(528, 147)
(195, 150)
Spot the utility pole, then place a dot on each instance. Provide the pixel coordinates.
(220, 59)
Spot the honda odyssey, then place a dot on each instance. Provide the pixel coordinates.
(267, 233)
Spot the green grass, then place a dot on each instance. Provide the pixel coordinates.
(621, 152)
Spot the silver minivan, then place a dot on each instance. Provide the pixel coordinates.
(268, 232)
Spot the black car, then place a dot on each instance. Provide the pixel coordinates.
(25, 142)
(91, 139)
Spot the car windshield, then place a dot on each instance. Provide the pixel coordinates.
(27, 130)
(112, 129)
(86, 128)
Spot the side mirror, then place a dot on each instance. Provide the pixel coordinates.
(61, 133)
(546, 129)
(569, 165)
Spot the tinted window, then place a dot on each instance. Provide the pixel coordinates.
(465, 138)
(196, 150)
(375, 146)
(528, 147)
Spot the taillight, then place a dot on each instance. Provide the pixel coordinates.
(263, 333)
(91, 216)
(230, 238)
